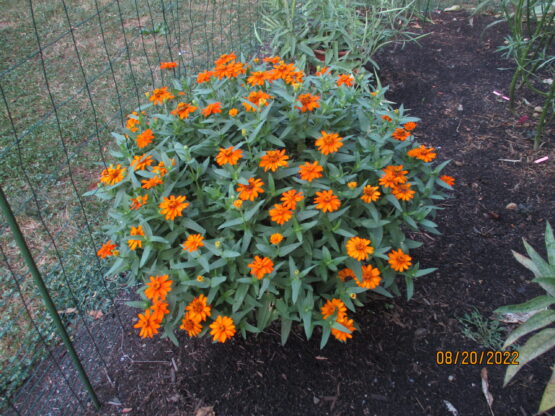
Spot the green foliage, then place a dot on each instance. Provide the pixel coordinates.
(542, 315)
(530, 45)
(305, 265)
(488, 333)
(346, 33)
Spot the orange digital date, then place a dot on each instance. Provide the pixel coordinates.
(477, 357)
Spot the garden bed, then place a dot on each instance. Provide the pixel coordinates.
(389, 367)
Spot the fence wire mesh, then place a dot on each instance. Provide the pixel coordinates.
(70, 72)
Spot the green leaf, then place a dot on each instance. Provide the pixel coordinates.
(204, 263)
(424, 272)
(534, 347)
(252, 211)
(548, 398)
(140, 304)
(536, 321)
(216, 281)
(295, 289)
(231, 223)
(355, 266)
(410, 286)
(547, 283)
(526, 262)
(394, 202)
(541, 302)
(145, 256)
(326, 331)
(382, 291)
(285, 330)
(285, 250)
(539, 262)
(189, 223)
(240, 296)
(550, 244)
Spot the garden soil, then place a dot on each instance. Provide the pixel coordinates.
(389, 367)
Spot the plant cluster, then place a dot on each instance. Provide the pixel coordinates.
(530, 45)
(539, 313)
(346, 33)
(255, 193)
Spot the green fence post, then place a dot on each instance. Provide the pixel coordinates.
(28, 258)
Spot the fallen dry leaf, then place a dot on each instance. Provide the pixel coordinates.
(205, 411)
(485, 388)
(95, 314)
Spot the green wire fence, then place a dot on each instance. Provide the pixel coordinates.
(70, 73)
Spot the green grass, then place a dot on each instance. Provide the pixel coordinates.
(78, 132)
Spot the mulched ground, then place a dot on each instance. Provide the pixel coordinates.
(389, 367)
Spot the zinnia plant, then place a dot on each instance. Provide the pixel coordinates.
(253, 193)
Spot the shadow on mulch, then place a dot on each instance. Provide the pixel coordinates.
(389, 367)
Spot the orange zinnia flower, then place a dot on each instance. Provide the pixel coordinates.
(132, 122)
(152, 182)
(326, 201)
(256, 78)
(403, 191)
(229, 155)
(133, 244)
(280, 214)
(258, 98)
(141, 162)
(160, 95)
(233, 112)
(173, 207)
(145, 138)
(272, 59)
(387, 118)
(112, 175)
(160, 169)
(352, 185)
(198, 309)
(159, 310)
(276, 238)
(311, 171)
(322, 71)
(204, 77)
(345, 80)
(225, 58)
(148, 324)
(370, 277)
(449, 180)
(290, 198)
(309, 102)
(192, 327)
(341, 335)
(138, 202)
(223, 328)
(328, 143)
(346, 272)
(193, 242)
(237, 203)
(399, 261)
(426, 154)
(261, 266)
(370, 194)
(400, 134)
(213, 108)
(334, 307)
(359, 248)
(394, 175)
(158, 287)
(273, 159)
(410, 126)
(183, 110)
(168, 65)
(108, 249)
(250, 191)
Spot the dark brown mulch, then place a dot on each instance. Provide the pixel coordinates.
(389, 367)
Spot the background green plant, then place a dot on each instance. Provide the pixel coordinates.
(530, 44)
(539, 315)
(349, 32)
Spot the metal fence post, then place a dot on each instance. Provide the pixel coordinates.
(30, 262)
